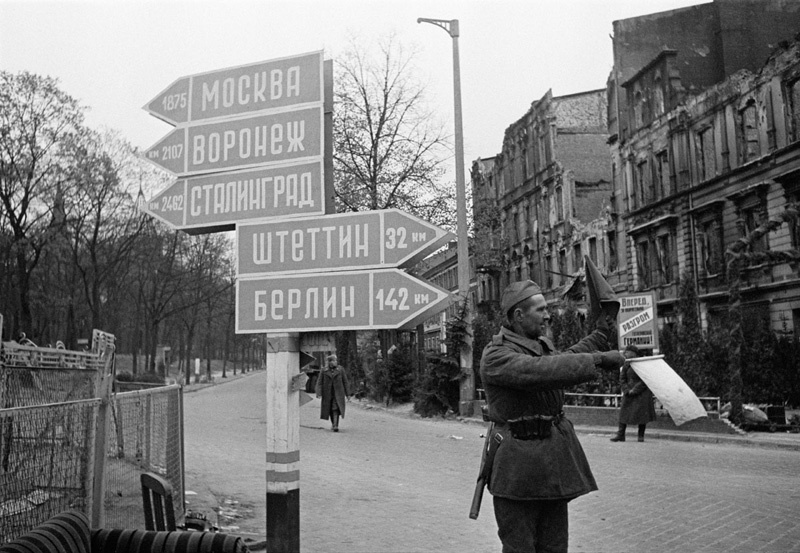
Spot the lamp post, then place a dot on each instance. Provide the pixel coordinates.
(467, 387)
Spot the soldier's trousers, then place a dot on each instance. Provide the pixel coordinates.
(532, 526)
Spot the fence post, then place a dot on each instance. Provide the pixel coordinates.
(148, 431)
(97, 515)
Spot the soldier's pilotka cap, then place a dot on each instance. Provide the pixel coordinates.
(516, 292)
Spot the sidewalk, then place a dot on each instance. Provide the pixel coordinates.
(776, 440)
(216, 378)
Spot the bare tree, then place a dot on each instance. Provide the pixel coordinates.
(36, 118)
(102, 221)
(388, 148)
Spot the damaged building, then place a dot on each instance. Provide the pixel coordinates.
(693, 144)
(704, 145)
(544, 201)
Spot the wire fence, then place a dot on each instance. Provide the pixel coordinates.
(45, 463)
(146, 436)
(61, 447)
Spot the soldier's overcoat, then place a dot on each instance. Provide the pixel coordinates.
(637, 401)
(332, 385)
(522, 377)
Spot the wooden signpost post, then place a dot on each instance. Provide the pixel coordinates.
(252, 151)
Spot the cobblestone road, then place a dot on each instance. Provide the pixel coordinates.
(391, 483)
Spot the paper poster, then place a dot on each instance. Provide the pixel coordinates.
(676, 396)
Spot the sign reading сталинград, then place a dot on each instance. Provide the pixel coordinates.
(347, 241)
(347, 300)
(233, 91)
(217, 202)
(638, 321)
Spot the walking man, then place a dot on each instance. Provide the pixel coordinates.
(333, 388)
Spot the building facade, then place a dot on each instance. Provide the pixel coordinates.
(697, 178)
(690, 147)
(703, 142)
(543, 202)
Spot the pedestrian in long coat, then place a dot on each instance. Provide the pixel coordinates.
(539, 465)
(333, 388)
(637, 399)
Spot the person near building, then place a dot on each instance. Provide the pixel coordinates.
(333, 388)
(538, 464)
(637, 399)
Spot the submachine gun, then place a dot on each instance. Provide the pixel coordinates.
(493, 441)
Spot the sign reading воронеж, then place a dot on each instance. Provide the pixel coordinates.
(234, 91)
(638, 321)
(365, 240)
(249, 141)
(217, 202)
(349, 300)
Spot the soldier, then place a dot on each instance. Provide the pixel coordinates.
(637, 399)
(539, 464)
(333, 388)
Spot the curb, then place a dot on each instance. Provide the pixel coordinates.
(748, 439)
(188, 388)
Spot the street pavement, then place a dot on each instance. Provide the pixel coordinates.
(396, 483)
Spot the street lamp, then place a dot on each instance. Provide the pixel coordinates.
(468, 382)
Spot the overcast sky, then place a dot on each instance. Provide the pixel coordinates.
(114, 56)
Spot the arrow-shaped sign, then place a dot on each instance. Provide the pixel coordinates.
(306, 359)
(232, 91)
(356, 300)
(249, 141)
(364, 240)
(216, 202)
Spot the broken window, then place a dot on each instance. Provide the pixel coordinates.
(725, 153)
(613, 261)
(793, 197)
(771, 134)
(638, 106)
(662, 174)
(658, 97)
(709, 239)
(750, 146)
(643, 264)
(559, 203)
(752, 212)
(706, 154)
(515, 228)
(794, 101)
(643, 183)
(681, 161)
(664, 256)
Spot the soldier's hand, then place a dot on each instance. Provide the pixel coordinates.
(609, 360)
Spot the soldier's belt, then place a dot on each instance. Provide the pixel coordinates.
(534, 427)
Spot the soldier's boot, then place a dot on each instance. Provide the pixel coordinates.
(335, 421)
(641, 432)
(620, 435)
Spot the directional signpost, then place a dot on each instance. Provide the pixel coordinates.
(365, 240)
(234, 91)
(215, 203)
(253, 140)
(249, 151)
(347, 300)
